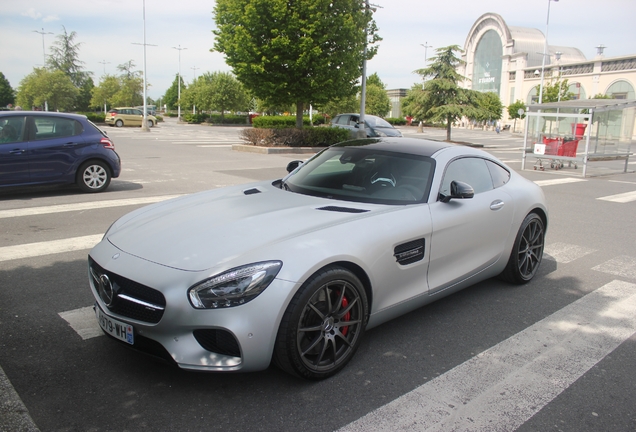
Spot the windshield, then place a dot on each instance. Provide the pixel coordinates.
(364, 175)
(377, 122)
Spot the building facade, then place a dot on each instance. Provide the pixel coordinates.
(508, 60)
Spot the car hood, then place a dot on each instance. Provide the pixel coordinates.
(208, 229)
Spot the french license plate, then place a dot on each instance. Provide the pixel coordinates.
(115, 328)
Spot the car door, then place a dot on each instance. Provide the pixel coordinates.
(14, 158)
(55, 144)
(469, 235)
(136, 117)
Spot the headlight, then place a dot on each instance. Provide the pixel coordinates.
(380, 133)
(234, 287)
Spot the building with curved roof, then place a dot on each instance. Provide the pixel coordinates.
(508, 60)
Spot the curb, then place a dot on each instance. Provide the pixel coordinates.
(275, 150)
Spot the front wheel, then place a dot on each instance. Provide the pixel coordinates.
(323, 325)
(527, 251)
(93, 176)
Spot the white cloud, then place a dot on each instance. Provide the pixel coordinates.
(32, 13)
(50, 18)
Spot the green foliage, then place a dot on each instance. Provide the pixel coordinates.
(490, 107)
(300, 52)
(556, 91)
(377, 102)
(217, 91)
(513, 109)
(65, 57)
(123, 90)
(53, 87)
(339, 105)
(172, 94)
(294, 137)
(94, 117)
(396, 121)
(374, 79)
(277, 122)
(216, 119)
(7, 95)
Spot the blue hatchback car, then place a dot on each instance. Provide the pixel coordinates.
(48, 147)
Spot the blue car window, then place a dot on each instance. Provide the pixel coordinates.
(11, 130)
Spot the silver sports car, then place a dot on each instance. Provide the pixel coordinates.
(295, 270)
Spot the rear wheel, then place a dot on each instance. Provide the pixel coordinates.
(150, 123)
(119, 123)
(93, 176)
(527, 251)
(323, 325)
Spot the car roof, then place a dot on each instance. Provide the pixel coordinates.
(421, 147)
(41, 113)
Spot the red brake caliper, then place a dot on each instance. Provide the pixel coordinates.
(346, 317)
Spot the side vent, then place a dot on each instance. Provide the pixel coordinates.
(251, 191)
(410, 252)
(342, 209)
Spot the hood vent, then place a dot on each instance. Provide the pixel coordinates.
(342, 209)
(251, 191)
(410, 252)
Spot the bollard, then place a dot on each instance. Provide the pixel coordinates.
(419, 128)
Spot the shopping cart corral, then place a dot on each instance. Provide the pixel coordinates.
(604, 128)
(557, 151)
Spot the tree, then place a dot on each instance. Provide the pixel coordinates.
(338, 105)
(7, 95)
(490, 106)
(556, 91)
(104, 92)
(218, 91)
(441, 98)
(377, 102)
(300, 52)
(171, 98)
(42, 85)
(513, 112)
(65, 57)
(131, 86)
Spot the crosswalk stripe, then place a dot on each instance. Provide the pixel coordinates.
(564, 253)
(501, 388)
(82, 206)
(565, 180)
(620, 198)
(31, 250)
(83, 321)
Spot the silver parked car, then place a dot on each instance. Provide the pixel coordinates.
(375, 126)
(295, 270)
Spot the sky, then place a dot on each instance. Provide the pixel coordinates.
(110, 32)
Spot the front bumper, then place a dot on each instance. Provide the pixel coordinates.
(230, 339)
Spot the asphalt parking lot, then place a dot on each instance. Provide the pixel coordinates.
(576, 318)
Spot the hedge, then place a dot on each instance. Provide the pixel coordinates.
(293, 137)
(215, 118)
(277, 122)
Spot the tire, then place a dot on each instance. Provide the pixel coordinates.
(119, 123)
(150, 123)
(93, 176)
(323, 325)
(527, 251)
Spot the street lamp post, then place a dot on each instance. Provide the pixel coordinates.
(144, 126)
(104, 62)
(179, 84)
(426, 47)
(194, 78)
(46, 103)
(545, 51)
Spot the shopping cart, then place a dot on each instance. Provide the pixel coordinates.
(552, 148)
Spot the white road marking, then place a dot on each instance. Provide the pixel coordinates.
(622, 265)
(620, 198)
(31, 250)
(82, 206)
(559, 181)
(83, 321)
(501, 388)
(564, 253)
(215, 145)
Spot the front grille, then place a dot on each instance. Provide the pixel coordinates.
(123, 287)
(218, 341)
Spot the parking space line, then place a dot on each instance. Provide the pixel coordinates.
(620, 198)
(564, 253)
(501, 388)
(30, 250)
(82, 206)
(559, 181)
(83, 321)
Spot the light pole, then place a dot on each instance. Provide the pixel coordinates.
(179, 83)
(43, 49)
(194, 68)
(46, 103)
(104, 62)
(362, 132)
(426, 47)
(545, 52)
(144, 126)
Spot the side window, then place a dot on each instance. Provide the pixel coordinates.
(500, 175)
(343, 120)
(470, 170)
(53, 127)
(11, 130)
(137, 112)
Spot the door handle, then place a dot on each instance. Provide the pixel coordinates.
(496, 205)
(17, 151)
(70, 144)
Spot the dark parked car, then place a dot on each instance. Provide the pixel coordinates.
(48, 147)
(375, 126)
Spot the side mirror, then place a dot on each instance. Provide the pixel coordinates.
(293, 165)
(458, 190)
